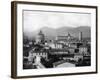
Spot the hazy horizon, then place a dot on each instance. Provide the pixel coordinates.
(51, 33)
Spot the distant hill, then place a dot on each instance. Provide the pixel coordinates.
(51, 33)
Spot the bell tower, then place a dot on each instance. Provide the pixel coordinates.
(80, 36)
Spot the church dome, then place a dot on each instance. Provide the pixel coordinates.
(40, 37)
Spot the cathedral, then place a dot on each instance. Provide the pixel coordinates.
(69, 37)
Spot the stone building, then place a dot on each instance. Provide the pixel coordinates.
(34, 54)
(83, 49)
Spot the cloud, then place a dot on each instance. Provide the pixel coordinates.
(34, 20)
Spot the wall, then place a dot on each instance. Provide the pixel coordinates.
(5, 41)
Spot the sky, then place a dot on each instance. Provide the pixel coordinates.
(35, 20)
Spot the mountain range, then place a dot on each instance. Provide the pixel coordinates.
(51, 33)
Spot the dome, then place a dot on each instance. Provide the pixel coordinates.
(40, 33)
(40, 37)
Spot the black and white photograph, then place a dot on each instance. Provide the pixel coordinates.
(53, 39)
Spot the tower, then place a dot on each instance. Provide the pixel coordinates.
(80, 35)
